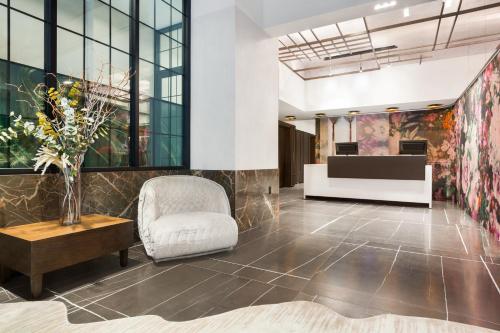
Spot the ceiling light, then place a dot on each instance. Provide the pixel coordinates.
(406, 12)
(384, 5)
(361, 68)
(353, 113)
(290, 118)
(434, 106)
(320, 115)
(447, 3)
(392, 109)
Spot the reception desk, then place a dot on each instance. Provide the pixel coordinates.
(398, 178)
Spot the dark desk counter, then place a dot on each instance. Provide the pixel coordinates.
(399, 167)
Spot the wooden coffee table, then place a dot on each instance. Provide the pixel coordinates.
(38, 248)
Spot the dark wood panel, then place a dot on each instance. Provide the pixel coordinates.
(377, 167)
(296, 148)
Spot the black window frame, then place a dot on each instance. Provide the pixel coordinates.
(50, 66)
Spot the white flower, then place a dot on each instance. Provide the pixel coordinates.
(64, 102)
(12, 114)
(29, 126)
(12, 132)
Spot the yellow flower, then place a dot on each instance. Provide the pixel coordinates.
(46, 125)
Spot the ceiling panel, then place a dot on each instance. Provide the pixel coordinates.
(393, 38)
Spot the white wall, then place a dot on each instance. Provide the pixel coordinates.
(234, 90)
(292, 88)
(308, 126)
(410, 83)
(212, 85)
(342, 130)
(257, 94)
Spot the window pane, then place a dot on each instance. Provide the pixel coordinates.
(97, 21)
(122, 5)
(146, 12)
(146, 78)
(69, 53)
(22, 151)
(178, 4)
(112, 150)
(96, 60)
(120, 31)
(26, 42)
(3, 32)
(162, 16)
(146, 43)
(177, 24)
(33, 7)
(70, 14)
(120, 65)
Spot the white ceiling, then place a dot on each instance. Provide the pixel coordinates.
(417, 42)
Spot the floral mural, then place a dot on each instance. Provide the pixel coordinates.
(477, 133)
(379, 134)
(372, 134)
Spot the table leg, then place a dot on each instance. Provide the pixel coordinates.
(5, 273)
(124, 258)
(36, 282)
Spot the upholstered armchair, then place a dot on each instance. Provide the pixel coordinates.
(184, 216)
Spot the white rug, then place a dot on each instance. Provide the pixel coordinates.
(285, 317)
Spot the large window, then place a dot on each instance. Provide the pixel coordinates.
(103, 37)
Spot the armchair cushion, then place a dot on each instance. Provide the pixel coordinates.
(182, 235)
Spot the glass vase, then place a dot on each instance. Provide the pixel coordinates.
(71, 200)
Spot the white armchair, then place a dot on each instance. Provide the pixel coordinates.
(184, 216)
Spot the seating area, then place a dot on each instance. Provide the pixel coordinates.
(250, 166)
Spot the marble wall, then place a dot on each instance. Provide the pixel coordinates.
(30, 198)
(257, 196)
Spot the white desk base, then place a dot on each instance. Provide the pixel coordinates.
(317, 184)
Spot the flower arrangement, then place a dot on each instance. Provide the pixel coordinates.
(69, 118)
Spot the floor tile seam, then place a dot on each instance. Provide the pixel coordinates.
(105, 279)
(76, 305)
(206, 312)
(396, 231)
(388, 272)
(205, 297)
(446, 216)
(89, 299)
(113, 310)
(327, 224)
(302, 265)
(345, 255)
(262, 295)
(491, 275)
(257, 268)
(462, 239)
(375, 219)
(134, 284)
(237, 289)
(420, 253)
(444, 289)
(258, 238)
(272, 251)
(145, 312)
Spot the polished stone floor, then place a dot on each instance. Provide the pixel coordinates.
(360, 259)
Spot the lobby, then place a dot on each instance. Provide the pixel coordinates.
(252, 165)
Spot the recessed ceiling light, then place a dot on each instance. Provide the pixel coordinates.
(392, 109)
(290, 118)
(320, 115)
(447, 3)
(434, 106)
(406, 12)
(353, 113)
(384, 5)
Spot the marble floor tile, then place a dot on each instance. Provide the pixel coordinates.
(359, 258)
